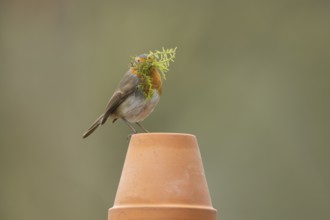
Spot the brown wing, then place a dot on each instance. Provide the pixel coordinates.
(126, 87)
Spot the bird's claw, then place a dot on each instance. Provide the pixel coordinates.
(130, 135)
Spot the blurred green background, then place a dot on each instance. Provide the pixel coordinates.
(251, 81)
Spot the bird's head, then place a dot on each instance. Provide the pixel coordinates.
(143, 63)
(143, 58)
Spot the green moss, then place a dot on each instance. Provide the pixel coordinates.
(159, 60)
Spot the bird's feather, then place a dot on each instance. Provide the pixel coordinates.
(126, 87)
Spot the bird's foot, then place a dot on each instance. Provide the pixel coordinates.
(130, 135)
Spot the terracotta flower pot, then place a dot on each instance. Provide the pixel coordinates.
(163, 179)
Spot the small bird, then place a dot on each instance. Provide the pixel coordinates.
(134, 99)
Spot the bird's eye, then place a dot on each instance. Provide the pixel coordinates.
(150, 58)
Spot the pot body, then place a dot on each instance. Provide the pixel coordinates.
(163, 178)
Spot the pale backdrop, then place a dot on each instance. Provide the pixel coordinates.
(251, 81)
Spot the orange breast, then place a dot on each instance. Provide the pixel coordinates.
(156, 80)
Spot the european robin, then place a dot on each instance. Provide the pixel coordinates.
(137, 94)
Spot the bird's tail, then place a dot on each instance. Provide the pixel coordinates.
(93, 127)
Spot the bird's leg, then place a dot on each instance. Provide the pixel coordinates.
(145, 130)
(130, 125)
